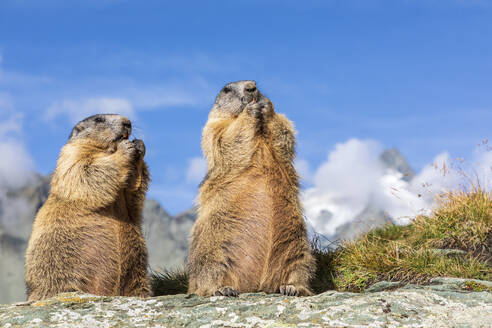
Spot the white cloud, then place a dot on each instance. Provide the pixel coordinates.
(342, 185)
(77, 110)
(16, 166)
(304, 170)
(10, 121)
(353, 177)
(197, 168)
(480, 171)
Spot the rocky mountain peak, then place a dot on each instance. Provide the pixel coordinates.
(393, 159)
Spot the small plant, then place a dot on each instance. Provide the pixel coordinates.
(323, 278)
(476, 287)
(169, 282)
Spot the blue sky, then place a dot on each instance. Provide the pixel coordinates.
(416, 75)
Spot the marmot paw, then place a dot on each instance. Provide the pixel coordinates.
(255, 110)
(128, 148)
(227, 291)
(140, 147)
(291, 290)
(259, 109)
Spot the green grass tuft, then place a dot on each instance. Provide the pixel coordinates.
(169, 282)
(408, 254)
(323, 278)
(476, 287)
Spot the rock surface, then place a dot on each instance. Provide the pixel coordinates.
(445, 303)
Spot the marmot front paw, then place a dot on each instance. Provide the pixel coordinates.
(260, 109)
(140, 147)
(291, 290)
(227, 291)
(255, 110)
(128, 148)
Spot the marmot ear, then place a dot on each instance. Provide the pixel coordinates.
(74, 132)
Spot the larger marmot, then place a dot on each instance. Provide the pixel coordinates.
(250, 234)
(87, 236)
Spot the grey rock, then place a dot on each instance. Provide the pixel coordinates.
(383, 285)
(167, 236)
(448, 252)
(22, 204)
(368, 219)
(393, 159)
(457, 283)
(406, 307)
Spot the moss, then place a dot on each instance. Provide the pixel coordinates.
(67, 298)
(476, 287)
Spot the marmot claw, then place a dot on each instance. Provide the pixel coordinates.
(227, 291)
(288, 290)
(256, 109)
(291, 290)
(260, 109)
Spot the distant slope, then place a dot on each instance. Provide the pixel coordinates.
(167, 236)
(12, 268)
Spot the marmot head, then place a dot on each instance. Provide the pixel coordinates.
(235, 96)
(105, 129)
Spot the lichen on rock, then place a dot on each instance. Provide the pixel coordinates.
(446, 302)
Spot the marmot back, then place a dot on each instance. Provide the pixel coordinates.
(250, 234)
(87, 236)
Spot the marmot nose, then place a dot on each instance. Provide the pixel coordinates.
(127, 127)
(249, 92)
(250, 87)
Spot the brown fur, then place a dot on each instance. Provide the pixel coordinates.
(250, 234)
(87, 236)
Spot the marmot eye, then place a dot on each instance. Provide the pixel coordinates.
(253, 89)
(226, 89)
(99, 120)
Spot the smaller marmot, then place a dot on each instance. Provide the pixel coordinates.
(250, 234)
(87, 236)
